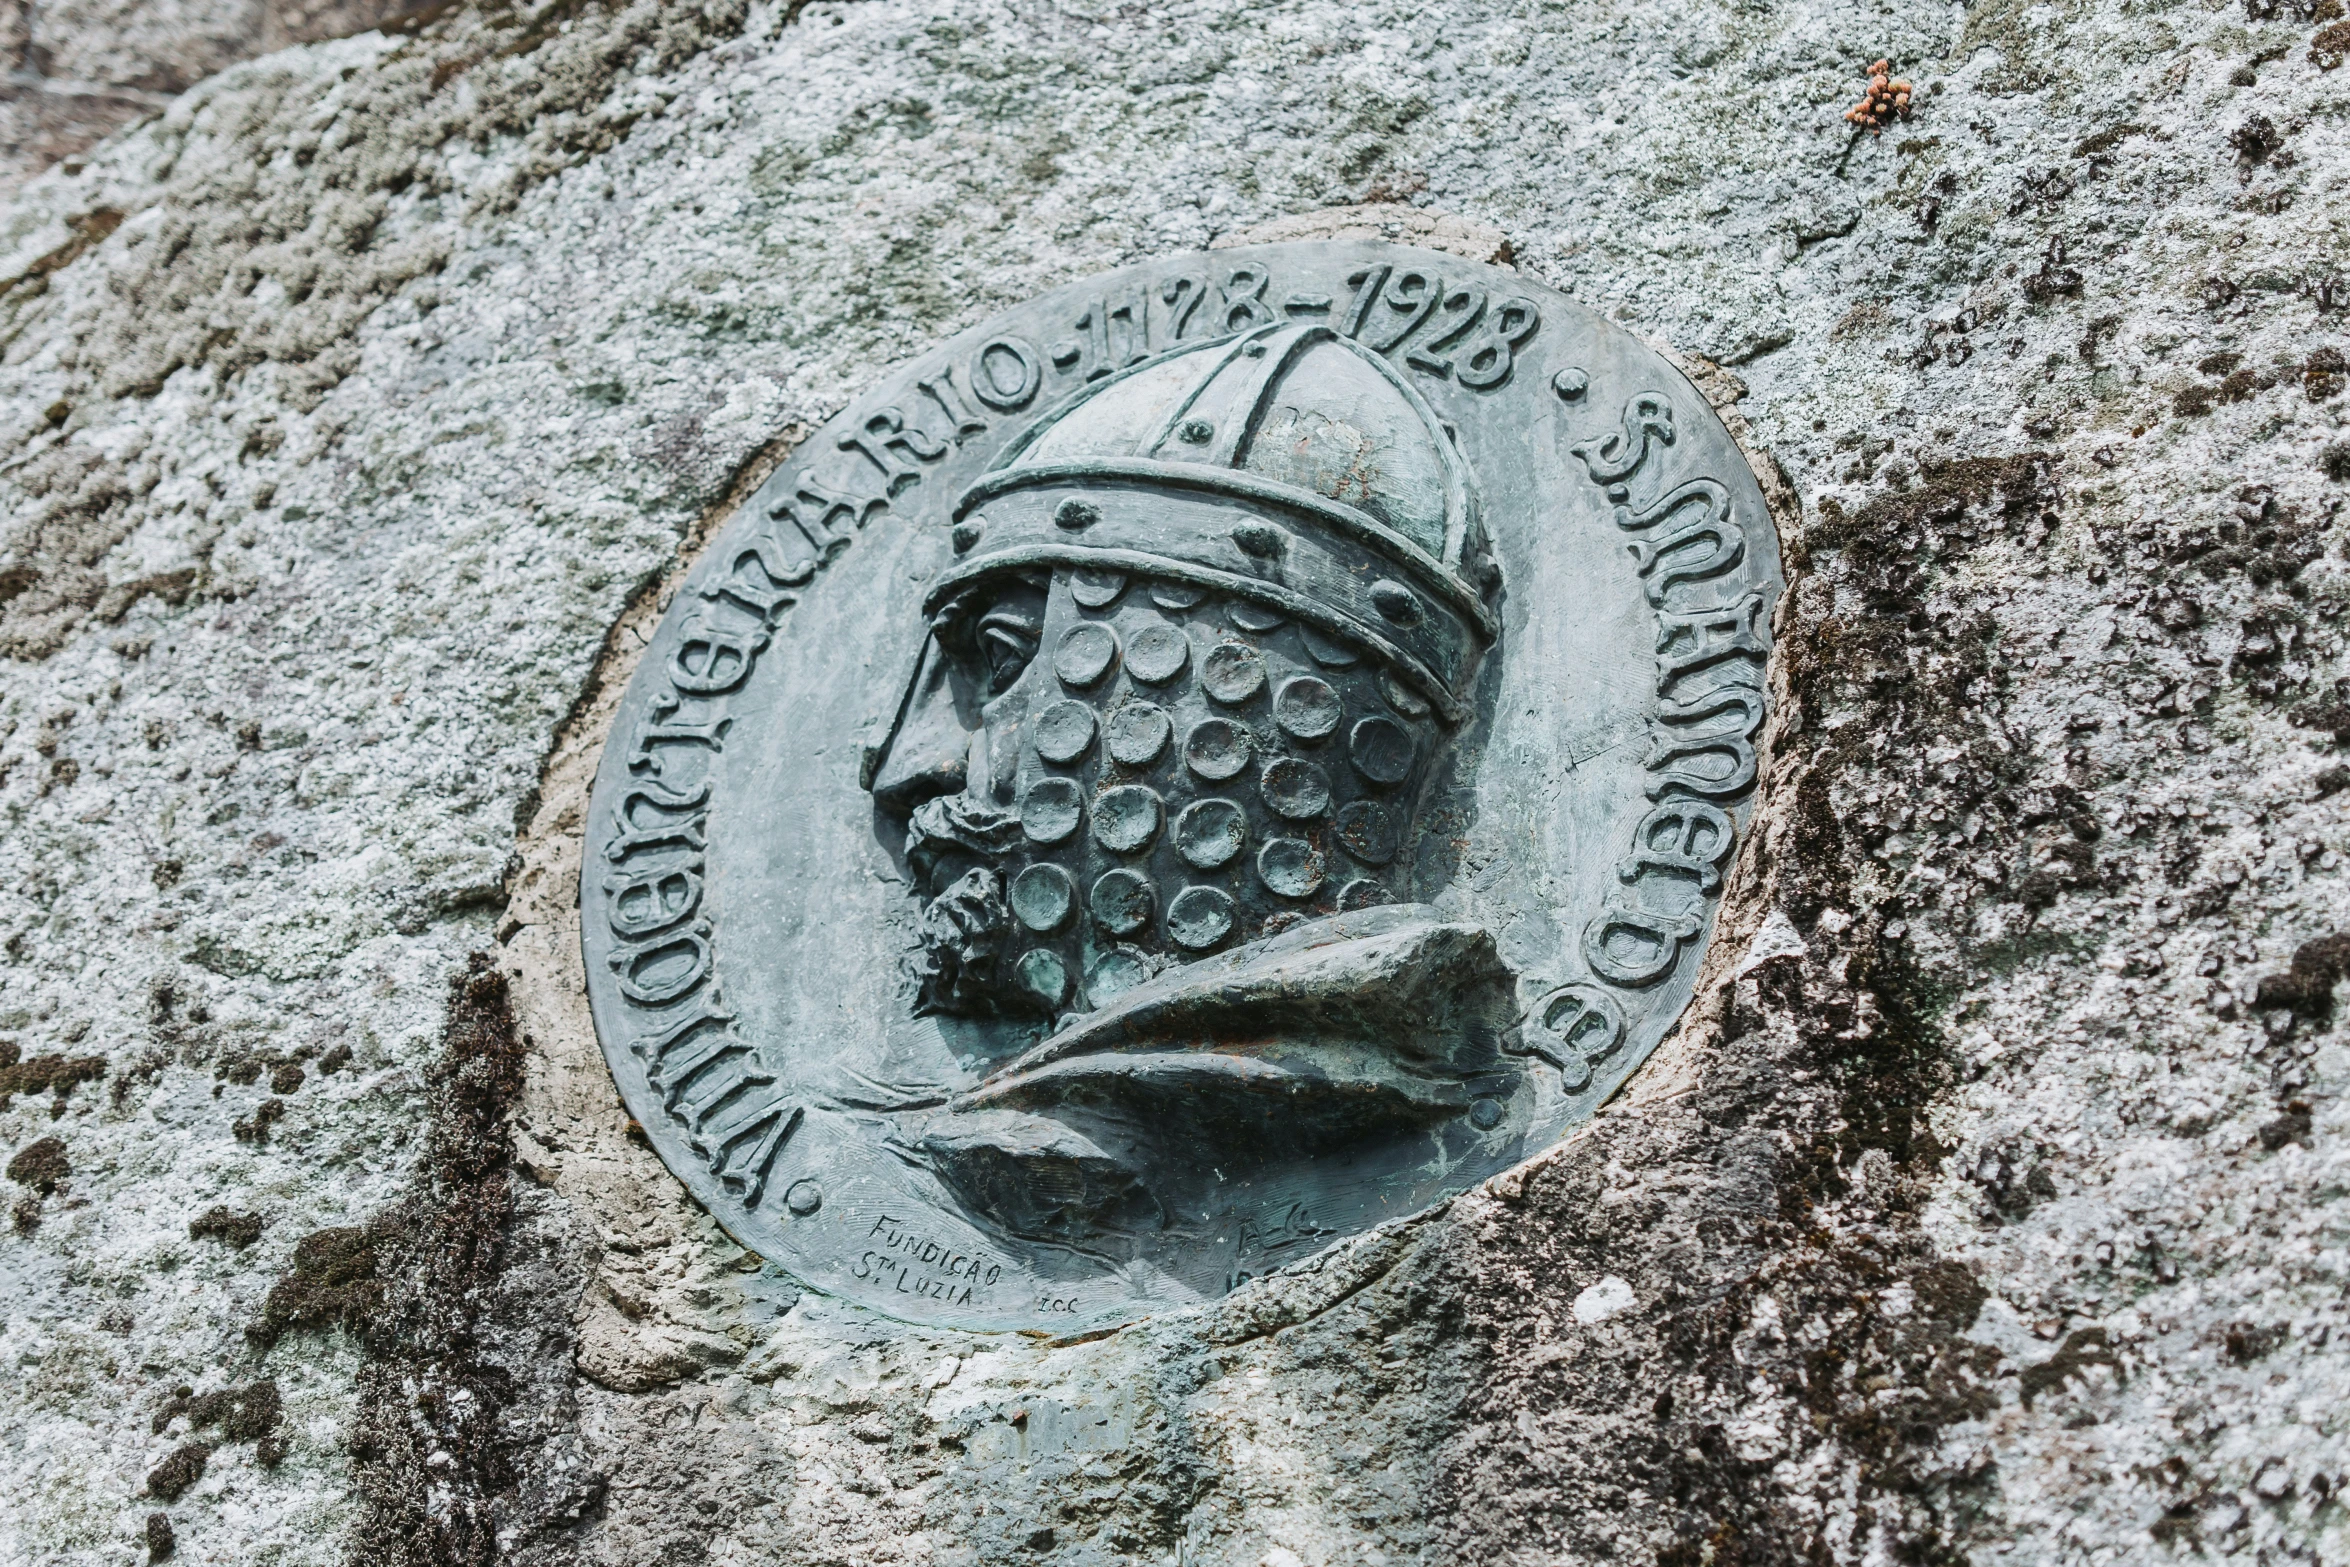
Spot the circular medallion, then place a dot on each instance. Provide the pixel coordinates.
(1199, 917)
(1209, 833)
(1096, 589)
(1291, 867)
(1064, 731)
(1217, 749)
(1122, 902)
(1233, 672)
(1138, 733)
(1296, 790)
(1367, 830)
(1041, 896)
(1086, 654)
(1126, 818)
(1381, 750)
(1049, 812)
(1080, 832)
(1307, 709)
(1158, 655)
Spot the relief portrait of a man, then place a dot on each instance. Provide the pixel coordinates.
(1172, 774)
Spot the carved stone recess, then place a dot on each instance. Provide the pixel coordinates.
(1220, 756)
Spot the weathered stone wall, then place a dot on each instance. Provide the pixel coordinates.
(362, 403)
(76, 72)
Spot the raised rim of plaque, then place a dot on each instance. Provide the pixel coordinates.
(1218, 757)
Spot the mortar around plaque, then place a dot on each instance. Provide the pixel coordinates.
(1313, 693)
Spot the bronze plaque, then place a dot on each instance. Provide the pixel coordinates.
(1221, 756)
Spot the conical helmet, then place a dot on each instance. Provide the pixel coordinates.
(1289, 466)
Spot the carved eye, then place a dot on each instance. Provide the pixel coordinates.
(1007, 639)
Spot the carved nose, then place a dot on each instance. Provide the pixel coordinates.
(923, 761)
(929, 752)
(904, 783)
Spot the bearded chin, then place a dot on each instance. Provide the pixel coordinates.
(964, 930)
(956, 846)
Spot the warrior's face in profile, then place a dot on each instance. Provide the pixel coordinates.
(1105, 772)
(1165, 765)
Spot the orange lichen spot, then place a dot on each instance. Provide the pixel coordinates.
(1887, 97)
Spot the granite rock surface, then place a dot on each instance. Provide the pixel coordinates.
(80, 70)
(362, 402)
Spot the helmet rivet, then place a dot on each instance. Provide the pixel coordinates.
(1255, 538)
(967, 534)
(1396, 602)
(1571, 384)
(1196, 431)
(1075, 514)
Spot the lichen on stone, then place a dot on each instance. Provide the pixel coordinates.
(362, 403)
